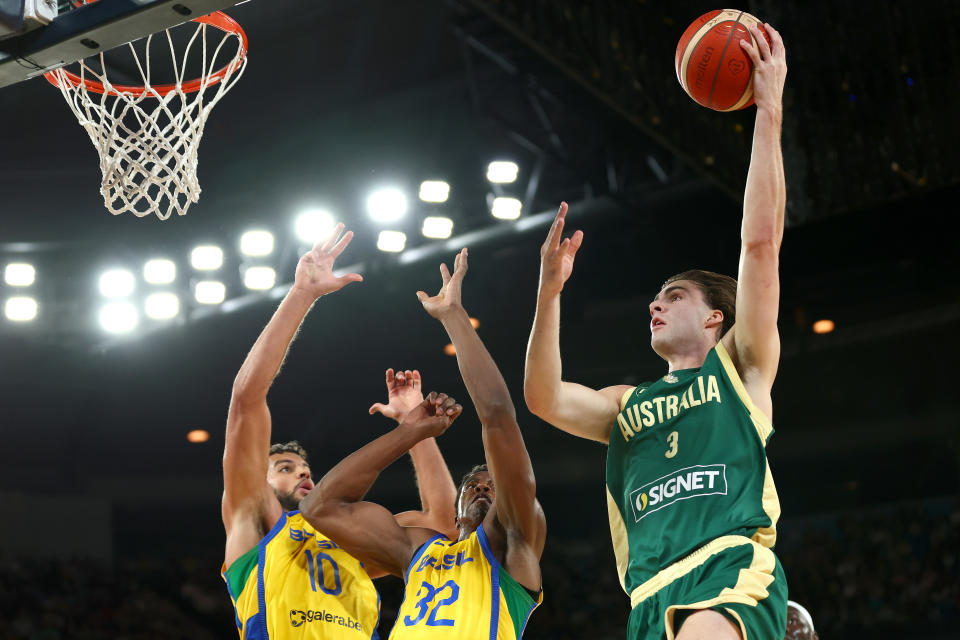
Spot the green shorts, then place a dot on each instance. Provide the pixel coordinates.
(732, 575)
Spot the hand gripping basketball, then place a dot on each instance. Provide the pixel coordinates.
(769, 66)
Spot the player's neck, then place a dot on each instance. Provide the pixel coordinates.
(691, 358)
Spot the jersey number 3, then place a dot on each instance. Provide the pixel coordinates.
(424, 604)
(672, 440)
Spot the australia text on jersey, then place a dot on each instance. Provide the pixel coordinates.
(656, 410)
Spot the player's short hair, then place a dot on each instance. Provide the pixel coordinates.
(719, 292)
(289, 447)
(477, 468)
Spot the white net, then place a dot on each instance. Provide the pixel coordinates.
(147, 136)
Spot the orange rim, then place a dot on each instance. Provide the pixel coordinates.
(217, 19)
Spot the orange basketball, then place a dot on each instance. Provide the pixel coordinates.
(711, 65)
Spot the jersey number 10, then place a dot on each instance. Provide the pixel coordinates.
(318, 574)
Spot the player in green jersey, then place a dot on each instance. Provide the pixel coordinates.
(692, 504)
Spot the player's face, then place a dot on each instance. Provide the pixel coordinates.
(678, 317)
(476, 497)
(797, 627)
(289, 475)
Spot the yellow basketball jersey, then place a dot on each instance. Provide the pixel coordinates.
(458, 591)
(298, 584)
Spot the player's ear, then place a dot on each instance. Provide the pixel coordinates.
(714, 319)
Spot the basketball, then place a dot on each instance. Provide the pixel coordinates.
(711, 65)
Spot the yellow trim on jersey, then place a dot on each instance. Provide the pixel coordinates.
(685, 565)
(767, 536)
(760, 420)
(626, 397)
(621, 543)
(750, 589)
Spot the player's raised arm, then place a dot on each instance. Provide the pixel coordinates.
(249, 507)
(366, 530)
(516, 507)
(438, 494)
(576, 409)
(754, 341)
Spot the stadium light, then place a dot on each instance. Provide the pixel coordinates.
(19, 274)
(159, 271)
(198, 435)
(259, 278)
(506, 208)
(119, 317)
(387, 205)
(437, 227)
(434, 191)
(206, 258)
(116, 283)
(502, 171)
(162, 306)
(392, 241)
(210, 292)
(823, 326)
(20, 309)
(256, 243)
(314, 225)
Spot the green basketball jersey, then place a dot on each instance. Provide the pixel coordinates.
(687, 464)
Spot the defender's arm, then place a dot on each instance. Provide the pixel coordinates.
(437, 490)
(249, 507)
(366, 530)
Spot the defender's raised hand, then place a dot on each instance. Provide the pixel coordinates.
(448, 298)
(556, 255)
(315, 269)
(404, 392)
(432, 416)
(769, 66)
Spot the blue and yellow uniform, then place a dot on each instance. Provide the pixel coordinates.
(297, 583)
(458, 591)
(693, 508)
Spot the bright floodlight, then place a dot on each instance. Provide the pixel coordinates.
(19, 274)
(159, 271)
(256, 243)
(502, 171)
(210, 292)
(162, 306)
(259, 278)
(387, 205)
(315, 225)
(437, 227)
(20, 309)
(206, 258)
(116, 283)
(506, 208)
(118, 317)
(434, 191)
(392, 241)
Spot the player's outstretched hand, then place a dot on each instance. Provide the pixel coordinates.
(448, 298)
(432, 416)
(404, 392)
(315, 269)
(769, 67)
(556, 255)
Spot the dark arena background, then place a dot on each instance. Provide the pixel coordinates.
(111, 517)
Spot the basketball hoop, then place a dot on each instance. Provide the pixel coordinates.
(148, 135)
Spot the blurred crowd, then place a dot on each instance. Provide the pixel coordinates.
(881, 573)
